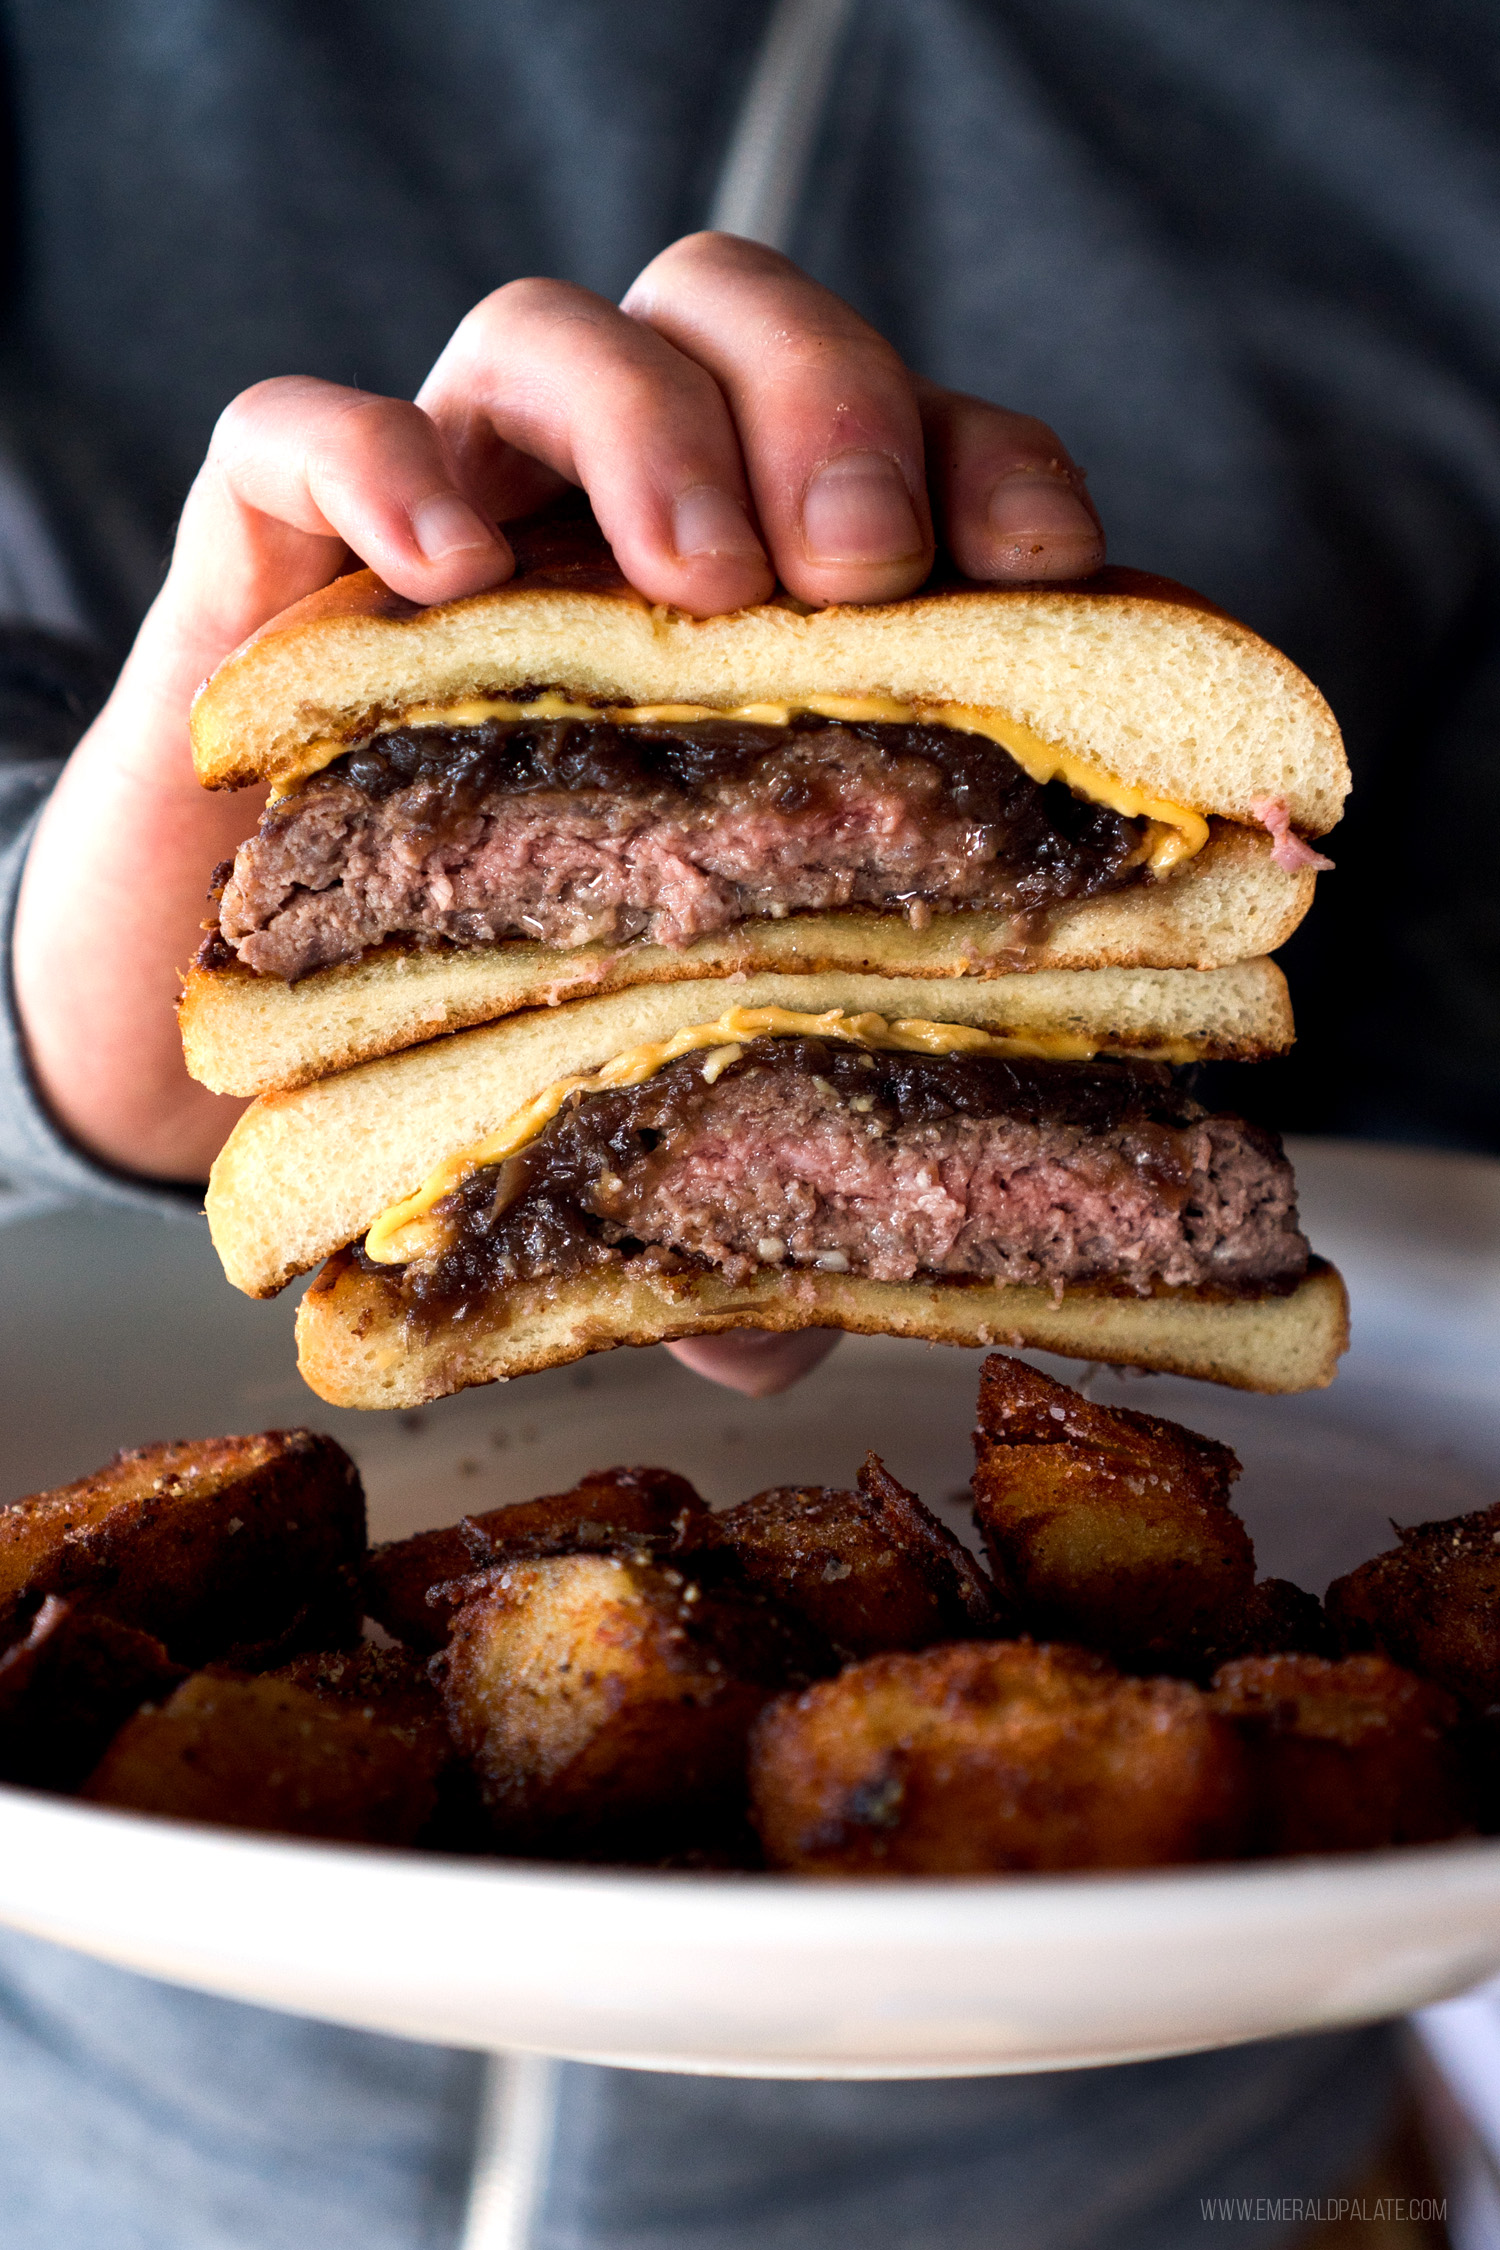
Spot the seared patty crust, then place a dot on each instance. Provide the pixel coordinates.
(571, 831)
(803, 1152)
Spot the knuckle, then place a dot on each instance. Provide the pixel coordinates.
(249, 411)
(726, 253)
(531, 301)
(370, 419)
(368, 440)
(300, 409)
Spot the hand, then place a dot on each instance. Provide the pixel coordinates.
(733, 423)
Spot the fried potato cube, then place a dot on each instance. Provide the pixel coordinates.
(993, 1757)
(1276, 1618)
(610, 1508)
(1432, 1603)
(387, 1684)
(1343, 1756)
(69, 1686)
(869, 1570)
(392, 1685)
(605, 1701)
(264, 1754)
(214, 1545)
(1113, 1528)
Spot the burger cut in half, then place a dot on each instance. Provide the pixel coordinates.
(1011, 1160)
(555, 789)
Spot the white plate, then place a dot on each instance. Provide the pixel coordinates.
(115, 1331)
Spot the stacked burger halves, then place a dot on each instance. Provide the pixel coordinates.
(604, 974)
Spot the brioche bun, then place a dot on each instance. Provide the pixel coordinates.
(1137, 676)
(355, 1347)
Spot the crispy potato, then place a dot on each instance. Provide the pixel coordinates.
(392, 1686)
(387, 1684)
(69, 1686)
(215, 1545)
(1276, 1618)
(605, 1701)
(263, 1753)
(1432, 1603)
(990, 1757)
(1113, 1527)
(1343, 1757)
(869, 1570)
(610, 1508)
(1279, 1618)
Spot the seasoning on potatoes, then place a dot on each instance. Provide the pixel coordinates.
(1114, 1528)
(238, 1548)
(265, 1754)
(605, 1701)
(869, 1570)
(1431, 1602)
(1343, 1757)
(607, 1509)
(993, 1757)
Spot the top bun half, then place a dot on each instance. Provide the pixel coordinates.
(1136, 676)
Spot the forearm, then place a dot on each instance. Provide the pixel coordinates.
(37, 1158)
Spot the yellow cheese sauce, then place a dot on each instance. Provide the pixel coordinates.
(1176, 833)
(409, 1229)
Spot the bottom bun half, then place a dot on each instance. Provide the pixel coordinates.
(356, 1349)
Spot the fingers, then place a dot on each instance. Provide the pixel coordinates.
(1012, 502)
(734, 420)
(546, 372)
(825, 412)
(300, 473)
(372, 473)
(734, 417)
(756, 1364)
(302, 476)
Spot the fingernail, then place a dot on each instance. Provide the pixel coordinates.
(1031, 511)
(709, 521)
(857, 510)
(445, 525)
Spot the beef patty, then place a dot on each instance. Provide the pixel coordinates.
(573, 830)
(807, 1153)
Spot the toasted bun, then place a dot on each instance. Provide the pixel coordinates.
(354, 1348)
(1134, 674)
(304, 1173)
(248, 1034)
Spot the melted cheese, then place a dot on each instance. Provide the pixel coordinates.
(411, 1229)
(1176, 832)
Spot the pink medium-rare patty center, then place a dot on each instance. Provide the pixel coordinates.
(777, 1177)
(805, 1154)
(487, 847)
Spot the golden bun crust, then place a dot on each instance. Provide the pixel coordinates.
(1137, 675)
(355, 1350)
(247, 1034)
(303, 1173)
